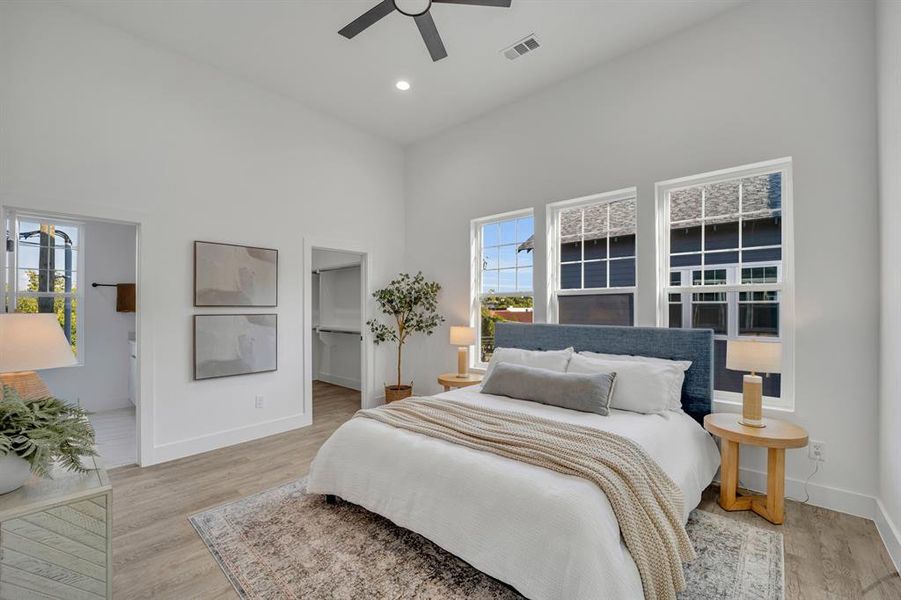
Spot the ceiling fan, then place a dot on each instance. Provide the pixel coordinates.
(419, 10)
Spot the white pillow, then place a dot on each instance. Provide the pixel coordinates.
(642, 387)
(682, 365)
(553, 360)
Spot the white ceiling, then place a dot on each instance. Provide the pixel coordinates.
(293, 47)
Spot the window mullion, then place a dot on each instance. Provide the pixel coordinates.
(554, 245)
(741, 254)
(607, 244)
(11, 268)
(703, 230)
(515, 267)
(582, 246)
(732, 316)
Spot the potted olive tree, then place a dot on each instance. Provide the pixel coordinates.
(412, 303)
(37, 432)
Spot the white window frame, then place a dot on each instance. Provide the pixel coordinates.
(475, 286)
(11, 263)
(785, 287)
(552, 223)
(733, 278)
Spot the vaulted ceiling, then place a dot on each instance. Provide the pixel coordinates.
(293, 48)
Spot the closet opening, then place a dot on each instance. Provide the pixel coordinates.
(337, 284)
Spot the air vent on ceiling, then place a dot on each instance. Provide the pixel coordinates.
(523, 46)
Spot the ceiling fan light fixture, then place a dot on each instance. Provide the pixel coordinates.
(419, 11)
(412, 8)
(402, 85)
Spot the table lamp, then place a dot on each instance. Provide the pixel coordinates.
(463, 337)
(28, 342)
(756, 357)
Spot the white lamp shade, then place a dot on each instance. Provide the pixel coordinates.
(756, 357)
(29, 342)
(462, 336)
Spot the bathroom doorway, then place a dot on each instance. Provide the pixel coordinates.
(84, 271)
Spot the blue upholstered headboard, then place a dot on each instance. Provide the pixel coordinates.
(695, 345)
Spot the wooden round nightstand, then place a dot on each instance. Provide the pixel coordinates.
(776, 437)
(452, 380)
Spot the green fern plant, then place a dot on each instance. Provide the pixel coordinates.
(44, 430)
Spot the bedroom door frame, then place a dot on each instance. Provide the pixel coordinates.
(366, 354)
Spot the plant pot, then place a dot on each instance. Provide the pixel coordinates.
(14, 472)
(394, 393)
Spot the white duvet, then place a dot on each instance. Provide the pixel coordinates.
(550, 536)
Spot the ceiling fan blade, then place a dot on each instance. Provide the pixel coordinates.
(430, 36)
(498, 3)
(371, 16)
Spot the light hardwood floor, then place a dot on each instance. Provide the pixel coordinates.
(157, 554)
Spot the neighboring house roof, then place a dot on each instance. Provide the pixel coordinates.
(761, 195)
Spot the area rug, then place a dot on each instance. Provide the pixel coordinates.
(285, 543)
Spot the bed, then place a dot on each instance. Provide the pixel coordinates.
(548, 535)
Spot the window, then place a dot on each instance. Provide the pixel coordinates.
(503, 253)
(42, 268)
(591, 251)
(725, 244)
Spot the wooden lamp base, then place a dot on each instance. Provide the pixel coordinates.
(462, 362)
(27, 384)
(752, 401)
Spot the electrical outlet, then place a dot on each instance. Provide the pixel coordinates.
(817, 451)
(258, 402)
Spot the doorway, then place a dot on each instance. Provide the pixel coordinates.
(84, 271)
(336, 354)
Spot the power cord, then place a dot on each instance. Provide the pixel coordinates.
(816, 468)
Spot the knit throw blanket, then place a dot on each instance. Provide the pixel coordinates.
(648, 505)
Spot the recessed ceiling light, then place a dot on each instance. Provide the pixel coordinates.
(402, 85)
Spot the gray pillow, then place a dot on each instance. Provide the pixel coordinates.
(586, 392)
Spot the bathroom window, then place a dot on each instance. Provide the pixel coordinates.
(44, 262)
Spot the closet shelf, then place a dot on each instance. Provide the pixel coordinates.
(341, 268)
(335, 330)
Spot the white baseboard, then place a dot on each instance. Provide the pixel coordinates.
(348, 382)
(220, 439)
(841, 500)
(890, 534)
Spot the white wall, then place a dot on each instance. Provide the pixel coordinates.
(98, 123)
(889, 57)
(763, 81)
(101, 382)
